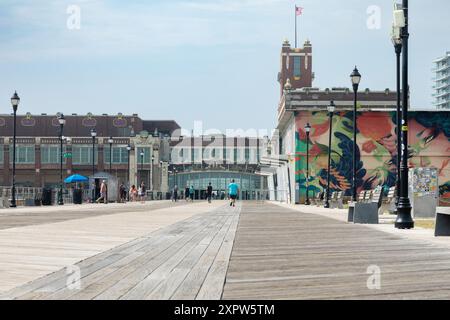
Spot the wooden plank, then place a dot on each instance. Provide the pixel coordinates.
(212, 287)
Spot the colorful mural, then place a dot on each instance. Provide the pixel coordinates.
(429, 140)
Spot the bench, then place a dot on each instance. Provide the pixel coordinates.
(367, 212)
(442, 228)
(351, 205)
(317, 199)
(337, 200)
(389, 204)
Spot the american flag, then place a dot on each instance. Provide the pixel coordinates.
(298, 11)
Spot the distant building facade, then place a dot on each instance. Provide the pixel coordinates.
(441, 87)
(38, 149)
(218, 159)
(160, 156)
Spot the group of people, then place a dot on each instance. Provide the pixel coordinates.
(189, 193)
(136, 194)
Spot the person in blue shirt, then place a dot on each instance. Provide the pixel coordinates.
(192, 193)
(233, 191)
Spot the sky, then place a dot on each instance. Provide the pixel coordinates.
(214, 61)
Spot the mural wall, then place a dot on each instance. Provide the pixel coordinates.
(429, 140)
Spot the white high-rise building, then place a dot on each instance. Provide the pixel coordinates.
(441, 87)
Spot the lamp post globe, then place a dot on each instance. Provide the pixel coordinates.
(15, 100)
(307, 131)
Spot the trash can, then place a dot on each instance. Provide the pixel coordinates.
(47, 197)
(77, 196)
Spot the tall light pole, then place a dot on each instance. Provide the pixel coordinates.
(62, 122)
(142, 165)
(307, 130)
(356, 79)
(397, 42)
(110, 141)
(151, 173)
(128, 171)
(93, 135)
(331, 109)
(404, 219)
(160, 175)
(15, 100)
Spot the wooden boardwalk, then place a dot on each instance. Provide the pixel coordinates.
(27, 216)
(284, 254)
(259, 251)
(184, 260)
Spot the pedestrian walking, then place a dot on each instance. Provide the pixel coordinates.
(133, 193)
(186, 193)
(175, 194)
(233, 191)
(142, 191)
(122, 193)
(192, 193)
(103, 192)
(209, 191)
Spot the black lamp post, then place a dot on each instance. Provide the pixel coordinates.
(128, 171)
(110, 141)
(151, 173)
(15, 100)
(356, 79)
(404, 219)
(62, 122)
(160, 175)
(307, 130)
(331, 109)
(397, 41)
(142, 165)
(93, 135)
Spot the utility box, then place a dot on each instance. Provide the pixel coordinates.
(423, 192)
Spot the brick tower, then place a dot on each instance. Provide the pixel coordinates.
(296, 65)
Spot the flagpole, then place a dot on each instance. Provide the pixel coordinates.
(295, 13)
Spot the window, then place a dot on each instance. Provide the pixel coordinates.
(50, 154)
(82, 154)
(119, 155)
(147, 155)
(25, 154)
(297, 67)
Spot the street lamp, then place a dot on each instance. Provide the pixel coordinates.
(404, 219)
(129, 151)
(93, 135)
(142, 165)
(128, 171)
(62, 122)
(151, 173)
(331, 109)
(110, 141)
(356, 79)
(15, 100)
(161, 175)
(397, 42)
(307, 130)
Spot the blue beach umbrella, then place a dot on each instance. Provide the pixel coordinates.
(76, 178)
